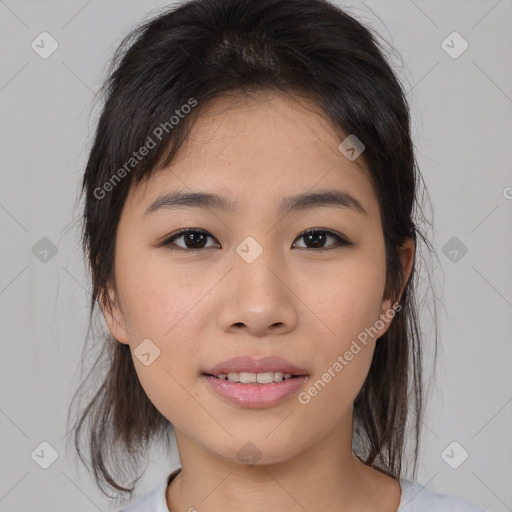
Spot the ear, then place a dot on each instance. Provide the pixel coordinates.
(114, 316)
(406, 252)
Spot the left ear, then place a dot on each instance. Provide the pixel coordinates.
(406, 252)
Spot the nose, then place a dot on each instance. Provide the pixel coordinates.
(258, 297)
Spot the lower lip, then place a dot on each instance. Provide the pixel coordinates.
(255, 395)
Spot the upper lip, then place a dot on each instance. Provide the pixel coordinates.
(256, 365)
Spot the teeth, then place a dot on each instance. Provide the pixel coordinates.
(260, 378)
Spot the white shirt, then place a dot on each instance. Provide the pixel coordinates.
(415, 498)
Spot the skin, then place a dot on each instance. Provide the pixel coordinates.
(200, 308)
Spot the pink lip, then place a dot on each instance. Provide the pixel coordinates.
(254, 396)
(256, 365)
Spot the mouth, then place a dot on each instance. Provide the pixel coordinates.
(251, 382)
(255, 377)
(251, 370)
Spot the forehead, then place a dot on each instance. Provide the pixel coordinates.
(257, 149)
(263, 120)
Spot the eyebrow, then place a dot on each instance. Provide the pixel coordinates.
(322, 198)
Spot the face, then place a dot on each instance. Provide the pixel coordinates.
(253, 281)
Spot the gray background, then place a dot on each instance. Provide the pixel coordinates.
(461, 109)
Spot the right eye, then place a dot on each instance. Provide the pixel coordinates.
(194, 239)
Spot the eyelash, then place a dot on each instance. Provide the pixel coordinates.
(168, 241)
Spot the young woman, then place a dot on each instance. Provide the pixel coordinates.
(249, 227)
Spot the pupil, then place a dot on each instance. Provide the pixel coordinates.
(196, 238)
(314, 237)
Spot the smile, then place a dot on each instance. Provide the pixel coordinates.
(254, 393)
(253, 378)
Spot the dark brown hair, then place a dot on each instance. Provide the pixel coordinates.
(204, 49)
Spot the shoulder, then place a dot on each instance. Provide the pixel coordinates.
(417, 498)
(153, 501)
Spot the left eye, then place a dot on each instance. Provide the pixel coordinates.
(318, 237)
(195, 239)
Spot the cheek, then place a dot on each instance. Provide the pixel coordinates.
(158, 297)
(344, 354)
(345, 305)
(347, 299)
(169, 318)
(167, 386)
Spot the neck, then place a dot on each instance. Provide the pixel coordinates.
(317, 479)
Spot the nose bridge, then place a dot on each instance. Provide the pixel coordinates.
(256, 263)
